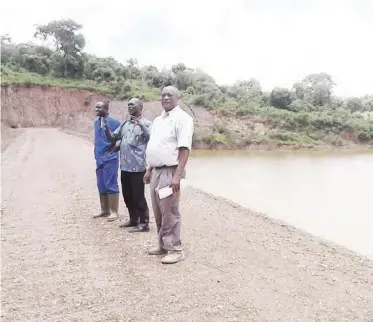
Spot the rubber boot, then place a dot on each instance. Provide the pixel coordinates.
(105, 209)
(114, 205)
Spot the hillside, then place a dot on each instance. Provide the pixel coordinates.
(45, 86)
(73, 109)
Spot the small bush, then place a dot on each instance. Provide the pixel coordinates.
(214, 139)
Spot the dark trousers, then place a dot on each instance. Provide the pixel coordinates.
(133, 190)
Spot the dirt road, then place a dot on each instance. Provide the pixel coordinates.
(58, 264)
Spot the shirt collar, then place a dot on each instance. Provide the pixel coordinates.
(128, 118)
(174, 110)
(104, 117)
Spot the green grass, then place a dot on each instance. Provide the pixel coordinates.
(135, 88)
(213, 139)
(325, 121)
(21, 78)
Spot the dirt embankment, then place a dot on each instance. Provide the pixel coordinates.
(38, 106)
(41, 106)
(71, 109)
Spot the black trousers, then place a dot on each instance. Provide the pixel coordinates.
(133, 190)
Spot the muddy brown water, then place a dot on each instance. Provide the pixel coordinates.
(329, 195)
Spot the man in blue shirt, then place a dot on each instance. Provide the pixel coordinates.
(131, 138)
(106, 163)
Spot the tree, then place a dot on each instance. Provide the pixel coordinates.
(316, 88)
(367, 100)
(245, 91)
(132, 70)
(299, 91)
(67, 42)
(354, 104)
(156, 78)
(178, 68)
(5, 39)
(280, 98)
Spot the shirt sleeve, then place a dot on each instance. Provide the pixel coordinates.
(117, 135)
(184, 132)
(147, 129)
(117, 124)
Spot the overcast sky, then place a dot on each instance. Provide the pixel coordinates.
(276, 41)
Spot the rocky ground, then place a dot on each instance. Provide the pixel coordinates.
(58, 264)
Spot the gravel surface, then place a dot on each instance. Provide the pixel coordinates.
(8, 135)
(58, 264)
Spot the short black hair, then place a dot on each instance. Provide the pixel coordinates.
(106, 103)
(136, 98)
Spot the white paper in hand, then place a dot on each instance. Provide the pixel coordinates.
(164, 192)
(167, 191)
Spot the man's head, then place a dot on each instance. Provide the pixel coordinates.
(102, 108)
(170, 97)
(135, 106)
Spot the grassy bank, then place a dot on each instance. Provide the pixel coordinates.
(239, 126)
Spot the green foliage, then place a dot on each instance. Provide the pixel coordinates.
(68, 45)
(354, 104)
(280, 98)
(132, 88)
(213, 139)
(306, 114)
(27, 78)
(315, 89)
(281, 138)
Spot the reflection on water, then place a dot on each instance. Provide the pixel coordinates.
(327, 194)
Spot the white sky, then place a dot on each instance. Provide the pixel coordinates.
(276, 41)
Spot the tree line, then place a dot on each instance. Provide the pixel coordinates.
(63, 56)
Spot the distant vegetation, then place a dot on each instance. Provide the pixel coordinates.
(308, 113)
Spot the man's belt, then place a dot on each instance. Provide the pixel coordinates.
(165, 166)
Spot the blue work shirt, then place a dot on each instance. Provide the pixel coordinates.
(134, 139)
(102, 144)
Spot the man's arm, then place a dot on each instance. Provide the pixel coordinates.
(146, 127)
(184, 142)
(183, 159)
(148, 175)
(115, 136)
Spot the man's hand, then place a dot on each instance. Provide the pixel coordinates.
(115, 147)
(175, 184)
(135, 120)
(104, 124)
(147, 176)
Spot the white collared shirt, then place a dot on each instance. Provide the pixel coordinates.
(170, 131)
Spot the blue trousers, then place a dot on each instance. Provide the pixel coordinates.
(107, 177)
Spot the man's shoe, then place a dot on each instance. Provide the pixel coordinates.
(157, 251)
(112, 217)
(139, 228)
(173, 257)
(127, 224)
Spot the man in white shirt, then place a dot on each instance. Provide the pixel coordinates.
(167, 154)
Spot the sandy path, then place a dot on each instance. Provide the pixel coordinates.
(58, 264)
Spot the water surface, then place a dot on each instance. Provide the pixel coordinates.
(327, 194)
